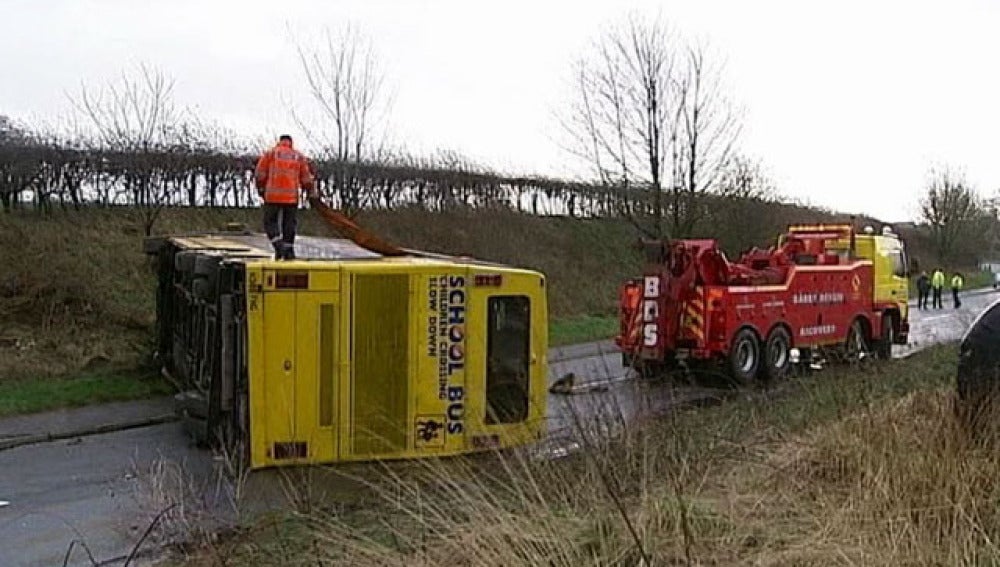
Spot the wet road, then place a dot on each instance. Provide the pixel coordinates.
(935, 326)
(102, 490)
(87, 490)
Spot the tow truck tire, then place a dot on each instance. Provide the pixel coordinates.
(627, 360)
(857, 345)
(646, 369)
(777, 354)
(744, 357)
(887, 337)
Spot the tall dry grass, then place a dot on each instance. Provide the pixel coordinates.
(845, 467)
(894, 484)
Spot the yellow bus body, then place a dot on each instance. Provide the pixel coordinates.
(381, 358)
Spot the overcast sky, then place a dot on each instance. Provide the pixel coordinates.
(848, 103)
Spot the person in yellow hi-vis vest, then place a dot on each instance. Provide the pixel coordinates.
(937, 284)
(956, 286)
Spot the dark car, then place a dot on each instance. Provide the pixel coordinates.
(978, 380)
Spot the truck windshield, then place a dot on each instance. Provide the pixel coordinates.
(508, 346)
(898, 263)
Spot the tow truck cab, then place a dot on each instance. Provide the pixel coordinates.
(890, 270)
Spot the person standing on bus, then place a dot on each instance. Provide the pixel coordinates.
(937, 285)
(923, 290)
(281, 173)
(957, 281)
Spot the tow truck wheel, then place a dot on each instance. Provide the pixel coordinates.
(647, 370)
(887, 337)
(627, 360)
(856, 347)
(777, 354)
(744, 357)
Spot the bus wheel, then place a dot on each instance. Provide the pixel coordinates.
(887, 337)
(744, 357)
(777, 354)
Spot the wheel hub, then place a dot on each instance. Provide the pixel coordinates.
(779, 355)
(745, 356)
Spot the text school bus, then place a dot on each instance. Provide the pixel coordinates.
(347, 354)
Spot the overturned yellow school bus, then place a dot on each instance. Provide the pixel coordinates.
(345, 354)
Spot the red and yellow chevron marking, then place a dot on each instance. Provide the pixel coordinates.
(693, 318)
(635, 327)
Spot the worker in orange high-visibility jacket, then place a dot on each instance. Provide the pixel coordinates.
(281, 173)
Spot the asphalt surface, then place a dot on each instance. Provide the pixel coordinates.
(99, 493)
(935, 326)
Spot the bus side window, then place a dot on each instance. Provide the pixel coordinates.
(508, 353)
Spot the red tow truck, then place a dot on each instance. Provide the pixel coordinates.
(820, 286)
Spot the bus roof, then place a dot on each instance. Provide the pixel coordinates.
(256, 246)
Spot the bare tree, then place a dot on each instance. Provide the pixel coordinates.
(135, 116)
(135, 113)
(20, 162)
(953, 211)
(745, 208)
(347, 84)
(710, 127)
(651, 119)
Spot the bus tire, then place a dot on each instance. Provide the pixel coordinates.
(777, 354)
(201, 288)
(744, 357)
(205, 265)
(184, 261)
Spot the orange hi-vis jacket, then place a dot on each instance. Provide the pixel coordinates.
(281, 172)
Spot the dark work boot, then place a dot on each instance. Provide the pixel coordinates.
(289, 252)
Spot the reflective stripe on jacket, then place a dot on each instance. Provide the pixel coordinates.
(281, 173)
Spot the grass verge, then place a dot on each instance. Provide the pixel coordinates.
(92, 299)
(30, 396)
(853, 466)
(581, 329)
(978, 279)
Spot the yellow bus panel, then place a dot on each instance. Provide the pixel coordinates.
(394, 360)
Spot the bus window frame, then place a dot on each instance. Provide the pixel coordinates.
(494, 379)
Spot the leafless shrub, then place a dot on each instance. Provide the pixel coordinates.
(192, 507)
(956, 216)
(347, 86)
(135, 116)
(651, 114)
